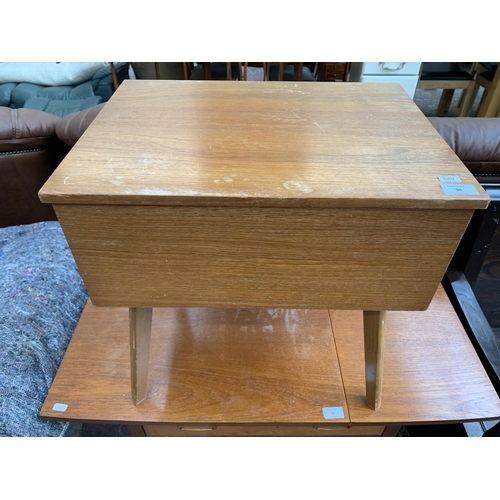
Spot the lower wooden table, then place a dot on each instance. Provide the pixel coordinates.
(305, 195)
(251, 372)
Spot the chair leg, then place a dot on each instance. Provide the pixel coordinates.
(445, 101)
(467, 103)
(297, 71)
(206, 70)
(157, 70)
(491, 104)
(280, 71)
(266, 66)
(113, 75)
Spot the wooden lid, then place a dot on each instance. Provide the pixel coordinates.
(219, 143)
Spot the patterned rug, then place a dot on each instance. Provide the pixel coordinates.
(43, 297)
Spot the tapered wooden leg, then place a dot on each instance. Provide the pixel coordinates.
(140, 335)
(374, 328)
(445, 101)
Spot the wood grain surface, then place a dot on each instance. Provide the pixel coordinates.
(312, 144)
(140, 341)
(374, 341)
(379, 259)
(207, 366)
(432, 373)
(214, 367)
(262, 430)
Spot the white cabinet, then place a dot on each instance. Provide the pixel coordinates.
(404, 73)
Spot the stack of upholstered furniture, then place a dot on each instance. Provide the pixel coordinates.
(58, 88)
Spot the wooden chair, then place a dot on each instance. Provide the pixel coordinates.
(486, 73)
(449, 77)
(246, 65)
(283, 71)
(212, 71)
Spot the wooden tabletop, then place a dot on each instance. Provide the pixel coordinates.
(220, 143)
(262, 366)
(206, 365)
(431, 371)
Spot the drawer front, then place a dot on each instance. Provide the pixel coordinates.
(409, 83)
(261, 430)
(391, 68)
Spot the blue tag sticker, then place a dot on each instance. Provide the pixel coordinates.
(449, 178)
(333, 412)
(464, 189)
(59, 407)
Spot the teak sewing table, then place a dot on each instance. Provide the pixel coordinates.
(262, 194)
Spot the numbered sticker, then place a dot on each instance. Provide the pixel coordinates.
(460, 189)
(333, 412)
(60, 407)
(449, 178)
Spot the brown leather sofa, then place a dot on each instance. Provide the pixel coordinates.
(29, 152)
(472, 281)
(32, 144)
(476, 141)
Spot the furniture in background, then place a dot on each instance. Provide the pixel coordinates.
(265, 198)
(157, 70)
(332, 71)
(449, 77)
(288, 71)
(29, 152)
(58, 88)
(404, 73)
(488, 77)
(473, 278)
(32, 144)
(212, 71)
(279, 71)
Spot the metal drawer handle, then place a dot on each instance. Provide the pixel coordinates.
(198, 428)
(391, 66)
(330, 427)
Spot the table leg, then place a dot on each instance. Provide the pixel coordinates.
(140, 335)
(374, 329)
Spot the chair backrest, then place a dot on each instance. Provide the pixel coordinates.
(212, 71)
(289, 71)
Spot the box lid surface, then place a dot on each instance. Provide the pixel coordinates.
(308, 144)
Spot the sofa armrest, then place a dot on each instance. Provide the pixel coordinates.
(23, 129)
(476, 141)
(29, 153)
(71, 128)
